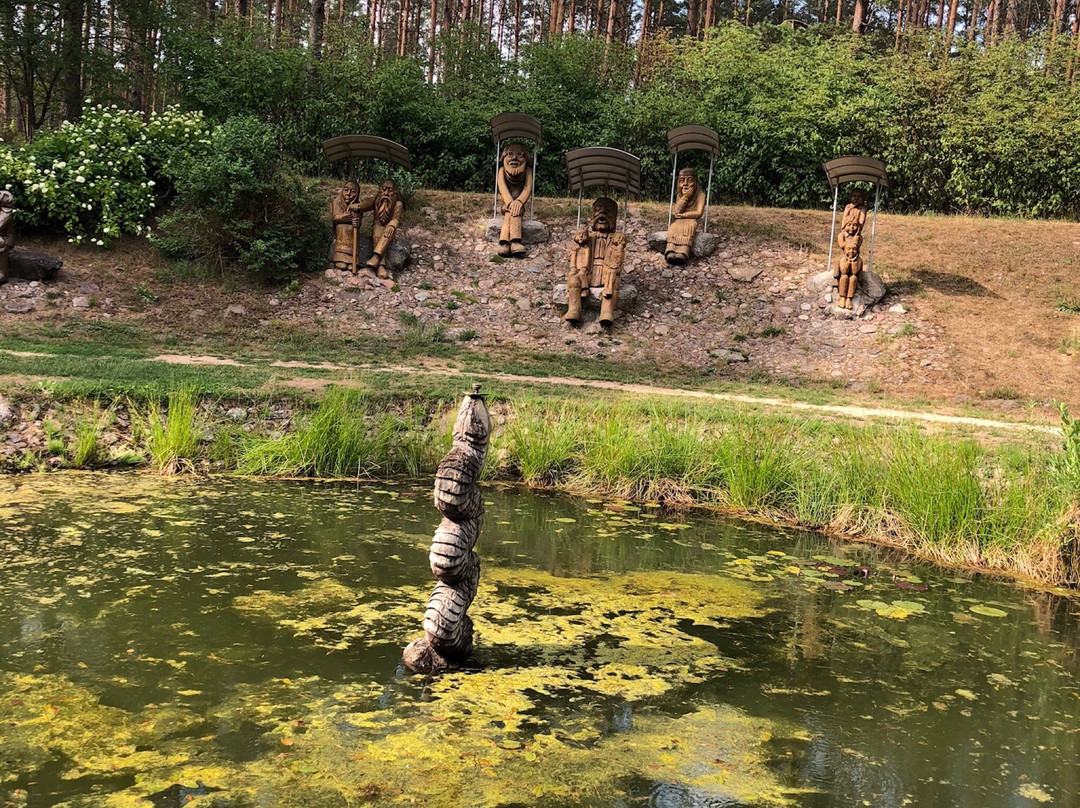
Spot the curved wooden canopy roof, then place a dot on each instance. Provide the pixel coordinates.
(856, 169)
(598, 166)
(693, 138)
(364, 146)
(516, 124)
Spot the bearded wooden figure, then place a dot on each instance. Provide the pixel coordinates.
(688, 210)
(596, 261)
(515, 184)
(849, 263)
(388, 208)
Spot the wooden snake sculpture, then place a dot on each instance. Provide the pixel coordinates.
(448, 630)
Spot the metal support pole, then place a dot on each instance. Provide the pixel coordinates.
(708, 192)
(832, 230)
(532, 197)
(674, 168)
(580, 193)
(498, 158)
(873, 228)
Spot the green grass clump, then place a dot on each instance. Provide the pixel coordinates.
(347, 436)
(172, 437)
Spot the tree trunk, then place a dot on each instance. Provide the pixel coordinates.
(974, 21)
(710, 14)
(318, 23)
(610, 35)
(858, 16)
(71, 57)
(950, 26)
(839, 10)
(431, 40)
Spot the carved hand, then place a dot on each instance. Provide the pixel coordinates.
(389, 232)
(515, 208)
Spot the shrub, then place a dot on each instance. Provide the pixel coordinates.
(237, 207)
(101, 177)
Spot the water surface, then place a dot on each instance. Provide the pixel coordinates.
(247, 636)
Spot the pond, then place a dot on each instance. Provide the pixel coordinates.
(228, 642)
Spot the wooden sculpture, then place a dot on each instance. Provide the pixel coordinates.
(346, 211)
(687, 212)
(448, 630)
(7, 232)
(849, 263)
(515, 184)
(388, 208)
(596, 261)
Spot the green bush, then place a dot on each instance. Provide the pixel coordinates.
(101, 177)
(237, 207)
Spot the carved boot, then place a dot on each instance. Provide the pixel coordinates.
(607, 310)
(517, 249)
(573, 306)
(374, 261)
(504, 249)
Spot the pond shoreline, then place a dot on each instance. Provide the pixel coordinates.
(1007, 510)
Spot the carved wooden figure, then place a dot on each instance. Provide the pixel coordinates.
(596, 261)
(7, 232)
(346, 211)
(388, 208)
(849, 263)
(515, 184)
(688, 210)
(448, 630)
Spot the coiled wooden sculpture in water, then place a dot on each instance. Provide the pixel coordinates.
(448, 630)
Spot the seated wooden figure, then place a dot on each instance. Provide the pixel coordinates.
(688, 210)
(388, 209)
(596, 261)
(515, 184)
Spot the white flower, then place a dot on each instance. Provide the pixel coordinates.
(80, 178)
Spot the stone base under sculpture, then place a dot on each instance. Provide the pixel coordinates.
(397, 256)
(870, 290)
(626, 301)
(31, 265)
(704, 243)
(532, 231)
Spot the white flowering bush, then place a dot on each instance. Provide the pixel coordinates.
(102, 176)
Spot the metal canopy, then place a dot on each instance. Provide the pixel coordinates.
(693, 138)
(856, 169)
(348, 147)
(516, 124)
(599, 166)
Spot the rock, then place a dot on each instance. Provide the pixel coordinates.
(704, 243)
(80, 302)
(532, 231)
(897, 309)
(745, 272)
(421, 296)
(6, 413)
(729, 356)
(662, 330)
(237, 414)
(820, 282)
(871, 287)
(19, 306)
(397, 256)
(32, 265)
(235, 309)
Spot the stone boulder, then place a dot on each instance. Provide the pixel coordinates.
(820, 282)
(32, 265)
(870, 290)
(399, 254)
(532, 231)
(704, 245)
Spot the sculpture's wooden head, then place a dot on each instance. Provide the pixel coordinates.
(515, 159)
(605, 213)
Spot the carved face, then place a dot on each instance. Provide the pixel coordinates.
(852, 227)
(6, 200)
(514, 160)
(605, 212)
(688, 182)
(349, 192)
(857, 198)
(852, 250)
(385, 200)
